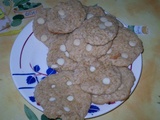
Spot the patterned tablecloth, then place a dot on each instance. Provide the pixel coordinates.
(143, 15)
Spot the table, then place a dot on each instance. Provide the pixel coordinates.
(144, 103)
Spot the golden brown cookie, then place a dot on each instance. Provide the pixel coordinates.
(97, 79)
(125, 49)
(79, 50)
(65, 16)
(94, 11)
(122, 93)
(60, 98)
(40, 29)
(58, 56)
(99, 30)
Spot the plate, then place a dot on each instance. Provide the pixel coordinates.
(28, 67)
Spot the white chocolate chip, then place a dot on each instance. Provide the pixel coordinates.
(109, 51)
(60, 61)
(44, 38)
(108, 24)
(124, 55)
(54, 66)
(70, 98)
(53, 86)
(63, 48)
(106, 12)
(52, 99)
(63, 16)
(69, 83)
(110, 35)
(40, 21)
(89, 47)
(132, 43)
(106, 81)
(92, 68)
(66, 109)
(103, 19)
(89, 15)
(67, 54)
(76, 42)
(95, 96)
(102, 26)
(62, 13)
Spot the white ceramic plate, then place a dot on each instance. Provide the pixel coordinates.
(28, 67)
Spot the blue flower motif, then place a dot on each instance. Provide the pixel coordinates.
(30, 80)
(43, 78)
(50, 71)
(93, 109)
(32, 98)
(36, 68)
(36, 76)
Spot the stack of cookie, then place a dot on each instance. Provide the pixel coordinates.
(91, 52)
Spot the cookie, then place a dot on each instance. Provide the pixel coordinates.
(58, 56)
(98, 79)
(98, 11)
(94, 11)
(40, 29)
(99, 30)
(79, 50)
(122, 93)
(125, 49)
(65, 17)
(61, 99)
